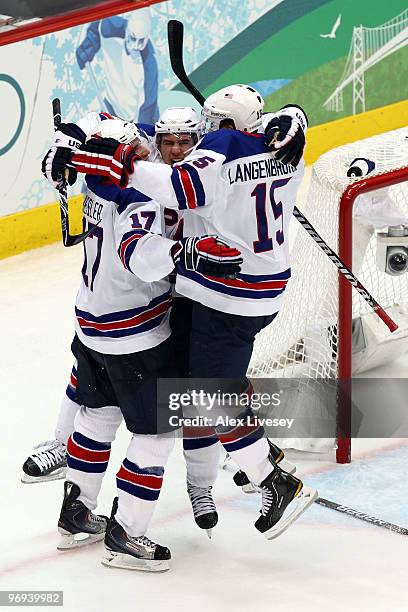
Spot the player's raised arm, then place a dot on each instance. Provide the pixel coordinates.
(188, 185)
(69, 138)
(285, 133)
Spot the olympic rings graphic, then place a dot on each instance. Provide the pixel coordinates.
(6, 78)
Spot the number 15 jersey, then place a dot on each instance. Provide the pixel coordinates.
(231, 186)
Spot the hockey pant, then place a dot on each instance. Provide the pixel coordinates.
(221, 348)
(201, 450)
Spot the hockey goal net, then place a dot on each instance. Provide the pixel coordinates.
(312, 336)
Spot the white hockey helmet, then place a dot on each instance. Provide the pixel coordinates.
(125, 132)
(179, 120)
(240, 103)
(118, 129)
(137, 30)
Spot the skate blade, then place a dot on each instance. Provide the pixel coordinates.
(286, 466)
(304, 499)
(250, 488)
(57, 475)
(209, 533)
(124, 561)
(70, 540)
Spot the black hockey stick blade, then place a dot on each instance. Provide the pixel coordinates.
(67, 238)
(56, 112)
(362, 516)
(175, 34)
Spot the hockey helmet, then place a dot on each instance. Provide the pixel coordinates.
(240, 103)
(179, 120)
(118, 129)
(125, 132)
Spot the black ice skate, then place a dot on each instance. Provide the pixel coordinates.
(279, 490)
(136, 553)
(49, 462)
(278, 456)
(77, 525)
(204, 509)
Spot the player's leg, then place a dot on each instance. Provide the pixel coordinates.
(88, 453)
(201, 448)
(221, 347)
(140, 477)
(88, 450)
(49, 460)
(202, 455)
(139, 481)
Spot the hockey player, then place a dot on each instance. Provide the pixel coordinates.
(129, 62)
(105, 280)
(238, 190)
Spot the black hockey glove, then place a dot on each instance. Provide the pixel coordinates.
(69, 137)
(55, 163)
(106, 157)
(208, 255)
(285, 135)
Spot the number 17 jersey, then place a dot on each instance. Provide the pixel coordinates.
(123, 303)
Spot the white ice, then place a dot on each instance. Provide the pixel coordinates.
(324, 562)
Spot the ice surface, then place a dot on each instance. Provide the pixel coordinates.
(325, 562)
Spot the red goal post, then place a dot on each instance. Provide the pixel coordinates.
(347, 201)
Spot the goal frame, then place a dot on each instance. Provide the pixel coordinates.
(347, 201)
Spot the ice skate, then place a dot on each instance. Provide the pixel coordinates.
(204, 509)
(77, 525)
(280, 490)
(278, 456)
(135, 553)
(49, 462)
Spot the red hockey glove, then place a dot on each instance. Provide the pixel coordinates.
(208, 255)
(106, 157)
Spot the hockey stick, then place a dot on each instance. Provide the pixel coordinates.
(353, 280)
(175, 33)
(67, 238)
(362, 516)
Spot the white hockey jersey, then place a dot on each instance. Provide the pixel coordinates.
(123, 303)
(122, 306)
(240, 193)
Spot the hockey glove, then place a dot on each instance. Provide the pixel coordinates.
(106, 157)
(208, 255)
(69, 137)
(285, 134)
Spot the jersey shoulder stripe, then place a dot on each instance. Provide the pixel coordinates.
(233, 144)
(187, 186)
(128, 244)
(104, 116)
